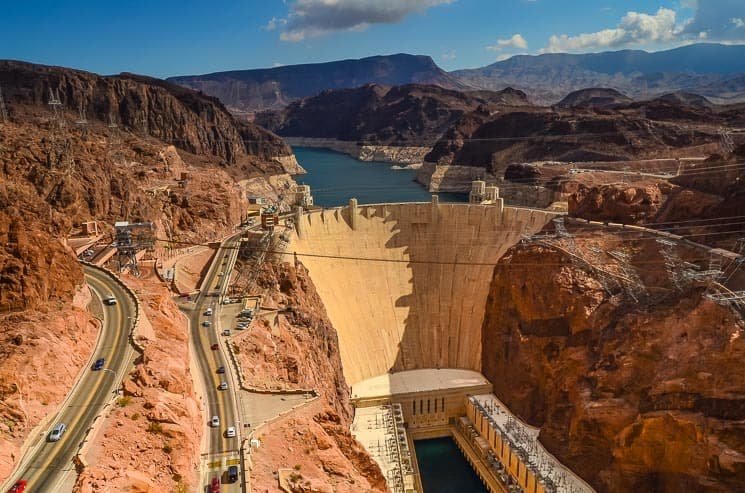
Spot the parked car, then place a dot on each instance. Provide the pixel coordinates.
(18, 487)
(223, 386)
(220, 369)
(232, 474)
(57, 432)
(215, 421)
(98, 365)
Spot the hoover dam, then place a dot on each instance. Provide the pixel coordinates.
(405, 285)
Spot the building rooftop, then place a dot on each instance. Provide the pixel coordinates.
(411, 381)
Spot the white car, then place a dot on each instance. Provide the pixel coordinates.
(110, 300)
(57, 432)
(215, 421)
(230, 432)
(226, 332)
(223, 386)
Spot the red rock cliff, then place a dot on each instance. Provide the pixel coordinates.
(643, 397)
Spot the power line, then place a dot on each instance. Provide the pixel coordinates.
(424, 262)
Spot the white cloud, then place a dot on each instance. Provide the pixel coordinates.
(277, 64)
(311, 18)
(738, 22)
(450, 55)
(634, 28)
(274, 23)
(515, 41)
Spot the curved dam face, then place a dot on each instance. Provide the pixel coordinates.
(410, 289)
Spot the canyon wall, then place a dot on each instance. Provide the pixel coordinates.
(642, 396)
(405, 285)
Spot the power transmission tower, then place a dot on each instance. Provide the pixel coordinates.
(3, 110)
(56, 104)
(82, 121)
(114, 140)
(727, 144)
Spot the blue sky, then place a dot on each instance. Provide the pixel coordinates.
(166, 37)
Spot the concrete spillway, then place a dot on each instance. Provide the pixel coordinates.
(420, 302)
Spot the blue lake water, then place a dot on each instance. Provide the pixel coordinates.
(444, 469)
(334, 178)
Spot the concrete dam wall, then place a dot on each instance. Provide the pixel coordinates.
(406, 293)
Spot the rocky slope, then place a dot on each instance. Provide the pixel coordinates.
(301, 351)
(246, 91)
(713, 70)
(703, 201)
(167, 112)
(413, 114)
(632, 396)
(492, 141)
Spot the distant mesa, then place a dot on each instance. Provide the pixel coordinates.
(593, 98)
(247, 91)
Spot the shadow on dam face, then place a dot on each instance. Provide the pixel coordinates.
(406, 284)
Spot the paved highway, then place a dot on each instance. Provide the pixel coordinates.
(47, 464)
(223, 451)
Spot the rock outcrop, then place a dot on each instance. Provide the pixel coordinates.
(191, 121)
(374, 114)
(593, 98)
(632, 396)
(300, 350)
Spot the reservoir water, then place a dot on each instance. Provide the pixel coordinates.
(334, 178)
(444, 469)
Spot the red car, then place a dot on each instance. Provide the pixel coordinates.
(20, 486)
(215, 486)
(215, 347)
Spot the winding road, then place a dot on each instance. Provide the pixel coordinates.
(47, 465)
(222, 451)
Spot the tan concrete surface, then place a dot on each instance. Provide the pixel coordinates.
(422, 308)
(426, 380)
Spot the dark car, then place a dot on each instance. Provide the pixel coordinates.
(220, 369)
(18, 487)
(99, 364)
(232, 474)
(214, 347)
